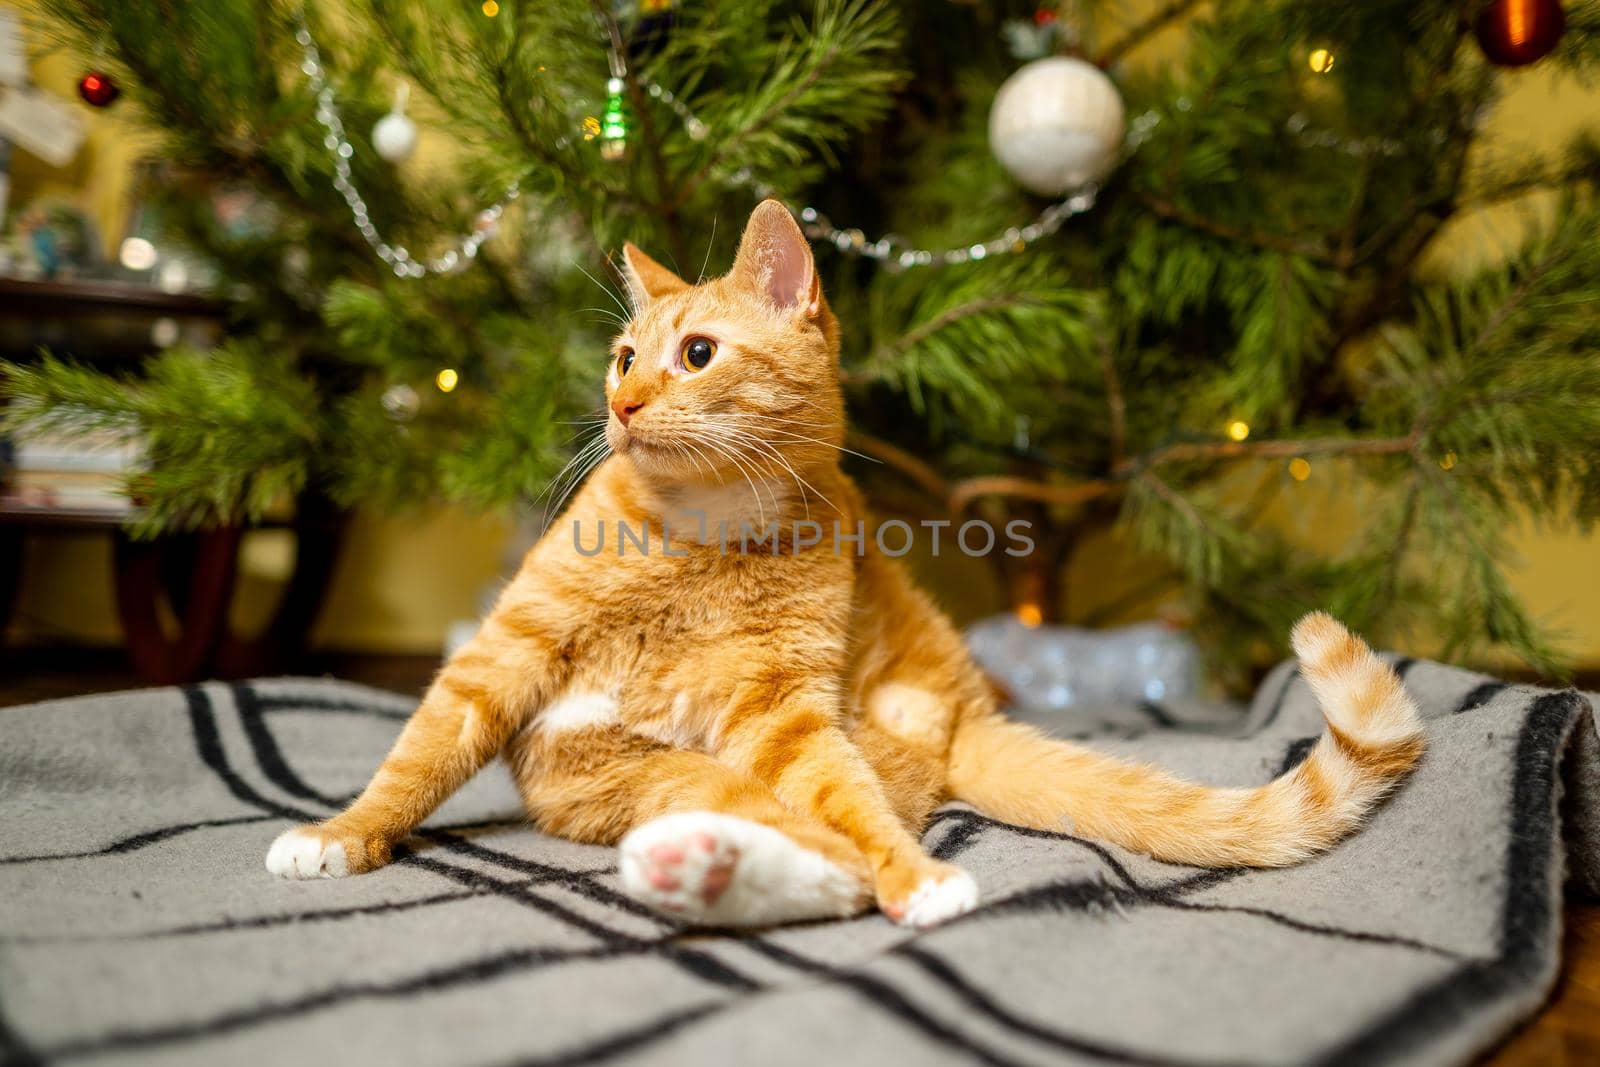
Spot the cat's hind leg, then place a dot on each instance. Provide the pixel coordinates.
(698, 840)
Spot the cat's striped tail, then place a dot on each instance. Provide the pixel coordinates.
(1372, 738)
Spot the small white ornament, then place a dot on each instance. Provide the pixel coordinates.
(401, 401)
(395, 136)
(1056, 124)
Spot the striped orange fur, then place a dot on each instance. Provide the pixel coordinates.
(766, 731)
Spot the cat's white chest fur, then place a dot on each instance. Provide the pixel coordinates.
(717, 514)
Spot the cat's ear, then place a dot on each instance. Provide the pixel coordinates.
(646, 278)
(775, 260)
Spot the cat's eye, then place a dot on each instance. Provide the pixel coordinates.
(624, 361)
(697, 352)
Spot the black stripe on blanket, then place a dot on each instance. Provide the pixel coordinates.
(1077, 896)
(269, 759)
(1529, 913)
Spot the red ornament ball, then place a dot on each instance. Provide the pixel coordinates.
(98, 89)
(1514, 33)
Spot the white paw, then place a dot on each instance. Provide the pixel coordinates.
(299, 854)
(934, 902)
(721, 870)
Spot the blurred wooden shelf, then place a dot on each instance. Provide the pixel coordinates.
(36, 296)
(102, 322)
(15, 513)
(193, 577)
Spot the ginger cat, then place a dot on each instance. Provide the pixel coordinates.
(765, 729)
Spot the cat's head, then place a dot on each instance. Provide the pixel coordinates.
(732, 377)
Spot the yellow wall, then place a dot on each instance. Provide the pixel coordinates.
(402, 580)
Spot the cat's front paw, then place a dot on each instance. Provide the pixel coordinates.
(321, 852)
(937, 894)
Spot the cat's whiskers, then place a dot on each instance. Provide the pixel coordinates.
(627, 312)
(576, 469)
(790, 434)
(767, 450)
(758, 416)
(726, 453)
(763, 460)
(709, 242)
(606, 315)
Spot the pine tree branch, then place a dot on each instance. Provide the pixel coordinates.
(1402, 538)
(647, 128)
(730, 145)
(1326, 446)
(1350, 255)
(925, 476)
(1514, 299)
(1167, 209)
(867, 370)
(1143, 31)
(1176, 500)
(1345, 257)
(964, 492)
(1117, 405)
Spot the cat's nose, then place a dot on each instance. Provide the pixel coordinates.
(625, 409)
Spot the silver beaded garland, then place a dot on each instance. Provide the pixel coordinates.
(893, 251)
(398, 257)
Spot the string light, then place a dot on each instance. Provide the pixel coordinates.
(1300, 128)
(398, 257)
(892, 251)
(1238, 429)
(446, 380)
(1320, 61)
(614, 123)
(1299, 468)
(137, 253)
(1447, 461)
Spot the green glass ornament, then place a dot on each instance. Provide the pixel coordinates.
(614, 123)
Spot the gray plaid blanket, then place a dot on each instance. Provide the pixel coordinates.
(137, 923)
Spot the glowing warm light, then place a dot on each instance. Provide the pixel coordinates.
(591, 127)
(137, 254)
(1299, 468)
(1320, 61)
(1447, 461)
(446, 380)
(1238, 429)
(491, 8)
(1517, 24)
(1029, 614)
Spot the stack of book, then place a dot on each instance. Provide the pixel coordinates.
(83, 472)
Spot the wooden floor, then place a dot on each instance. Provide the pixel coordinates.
(1565, 1034)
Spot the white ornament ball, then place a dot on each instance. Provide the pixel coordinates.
(401, 401)
(395, 137)
(1055, 124)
